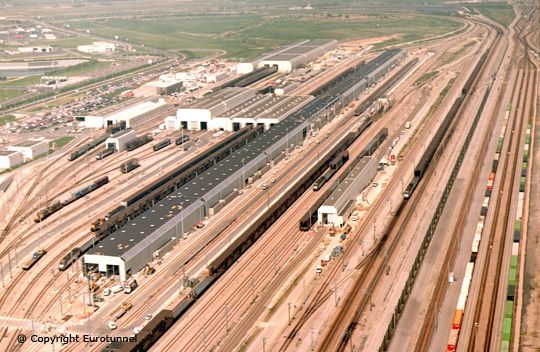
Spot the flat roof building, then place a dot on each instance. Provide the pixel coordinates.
(31, 148)
(10, 159)
(97, 48)
(132, 246)
(291, 56)
(165, 87)
(137, 114)
(341, 202)
(199, 114)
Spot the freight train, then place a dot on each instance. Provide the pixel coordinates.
(53, 208)
(164, 186)
(161, 144)
(425, 161)
(310, 217)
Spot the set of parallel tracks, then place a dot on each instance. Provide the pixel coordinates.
(485, 313)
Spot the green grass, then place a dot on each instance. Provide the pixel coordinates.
(60, 142)
(6, 94)
(426, 77)
(248, 35)
(22, 82)
(451, 56)
(6, 118)
(497, 11)
(82, 68)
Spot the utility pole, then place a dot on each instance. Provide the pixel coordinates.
(289, 306)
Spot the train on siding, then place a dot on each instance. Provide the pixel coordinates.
(161, 144)
(433, 146)
(310, 217)
(53, 208)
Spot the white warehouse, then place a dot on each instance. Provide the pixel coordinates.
(31, 148)
(97, 48)
(10, 159)
(290, 57)
(133, 116)
(200, 114)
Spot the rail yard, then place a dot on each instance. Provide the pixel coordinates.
(325, 195)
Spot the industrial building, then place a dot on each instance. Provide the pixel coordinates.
(143, 238)
(133, 116)
(35, 49)
(31, 148)
(119, 140)
(261, 110)
(97, 48)
(200, 114)
(165, 87)
(341, 202)
(10, 159)
(131, 247)
(290, 57)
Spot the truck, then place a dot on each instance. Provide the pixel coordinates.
(408, 124)
(123, 309)
(130, 286)
(37, 255)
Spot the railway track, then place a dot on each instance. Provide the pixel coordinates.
(483, 331)
(369, 261)
(424, 337)
(272, 266)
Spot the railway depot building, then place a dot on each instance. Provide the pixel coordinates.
(341, 202)
(132, 246)
(30, 148)
(259, 110)
(291, 56)
(10, 159)
(141, 239)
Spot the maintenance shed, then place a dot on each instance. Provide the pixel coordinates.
(165, 87)
(119, 140)
(291, 56)
(10, 159)
(296, 56)
(261, 110)
(31, 148)
(341, 202)
(199, 114)
(137, 114)
(132, 246)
